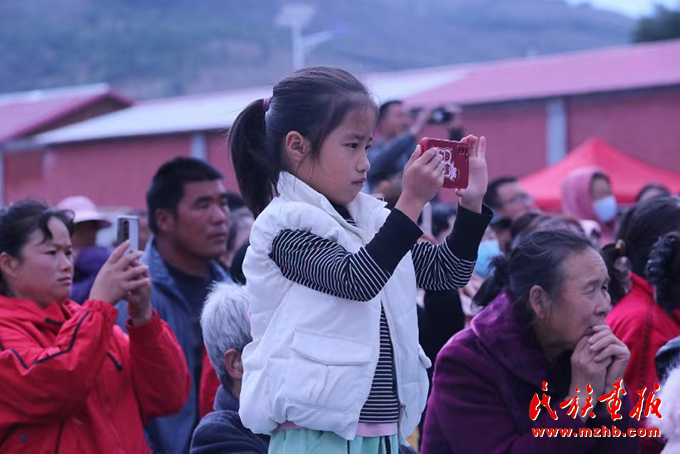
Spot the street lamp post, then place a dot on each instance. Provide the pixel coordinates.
(296, 16)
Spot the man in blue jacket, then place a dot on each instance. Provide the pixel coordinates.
(226, 332)
(188, 215)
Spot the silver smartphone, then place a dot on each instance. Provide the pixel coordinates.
(426, 219)
(128, 229)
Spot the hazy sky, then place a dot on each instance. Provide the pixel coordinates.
(634, 8)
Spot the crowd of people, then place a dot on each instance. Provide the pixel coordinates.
(337, 304)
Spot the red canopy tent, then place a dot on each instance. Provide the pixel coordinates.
(628, 175)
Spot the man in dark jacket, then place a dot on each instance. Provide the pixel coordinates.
(189, 217)
(226, 332)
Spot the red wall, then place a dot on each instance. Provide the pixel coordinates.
(117, 172)
(515, 134)
(111, 173)
(643, 124)
(218, 156)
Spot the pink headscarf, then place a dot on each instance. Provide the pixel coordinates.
(577, 200)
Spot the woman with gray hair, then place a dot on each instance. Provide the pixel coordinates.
(226, 331)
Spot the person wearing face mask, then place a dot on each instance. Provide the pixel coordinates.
(488, 249)
(587, 195)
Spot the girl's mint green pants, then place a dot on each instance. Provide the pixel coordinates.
(305, 441)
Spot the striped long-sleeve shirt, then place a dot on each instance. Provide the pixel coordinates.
(326, 266)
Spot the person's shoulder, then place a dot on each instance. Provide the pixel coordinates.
(73, 308)
(223, 418)
(220, 272)
(636, 321)
(218, 424)
(630, 313)
(289, 215)
(222, 430)
(464, 361)
(463, 345)
(285, 210)
(10, 323)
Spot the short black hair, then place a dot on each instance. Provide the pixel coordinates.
(235, 201)
(653, 186)
(532, 222)
(382, 111)
(441, 213)
(167, 185)
(491, 198)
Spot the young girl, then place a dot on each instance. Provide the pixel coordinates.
(335, 366)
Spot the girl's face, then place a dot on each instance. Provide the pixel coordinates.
(339, 171)
(43, 272)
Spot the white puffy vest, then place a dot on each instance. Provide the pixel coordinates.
(313, 355)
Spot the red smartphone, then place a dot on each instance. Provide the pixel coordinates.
(456, 157)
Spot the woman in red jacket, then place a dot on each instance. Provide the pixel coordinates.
(637, 318)
(72, 381)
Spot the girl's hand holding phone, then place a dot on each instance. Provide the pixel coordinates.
(423, 177)
(472, 196)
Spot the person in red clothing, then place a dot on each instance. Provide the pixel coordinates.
(638, 319)
(72, 381)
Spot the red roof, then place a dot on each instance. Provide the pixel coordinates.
(23, 113)
(627, 174)
(621, 68)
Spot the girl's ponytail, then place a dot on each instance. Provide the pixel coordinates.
(313, 102)
(255, 170)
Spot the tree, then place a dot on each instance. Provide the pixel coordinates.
(664, 24)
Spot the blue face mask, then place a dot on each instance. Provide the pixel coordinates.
(488, 249)
(605, 208)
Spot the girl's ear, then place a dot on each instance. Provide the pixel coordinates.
(297, 148)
